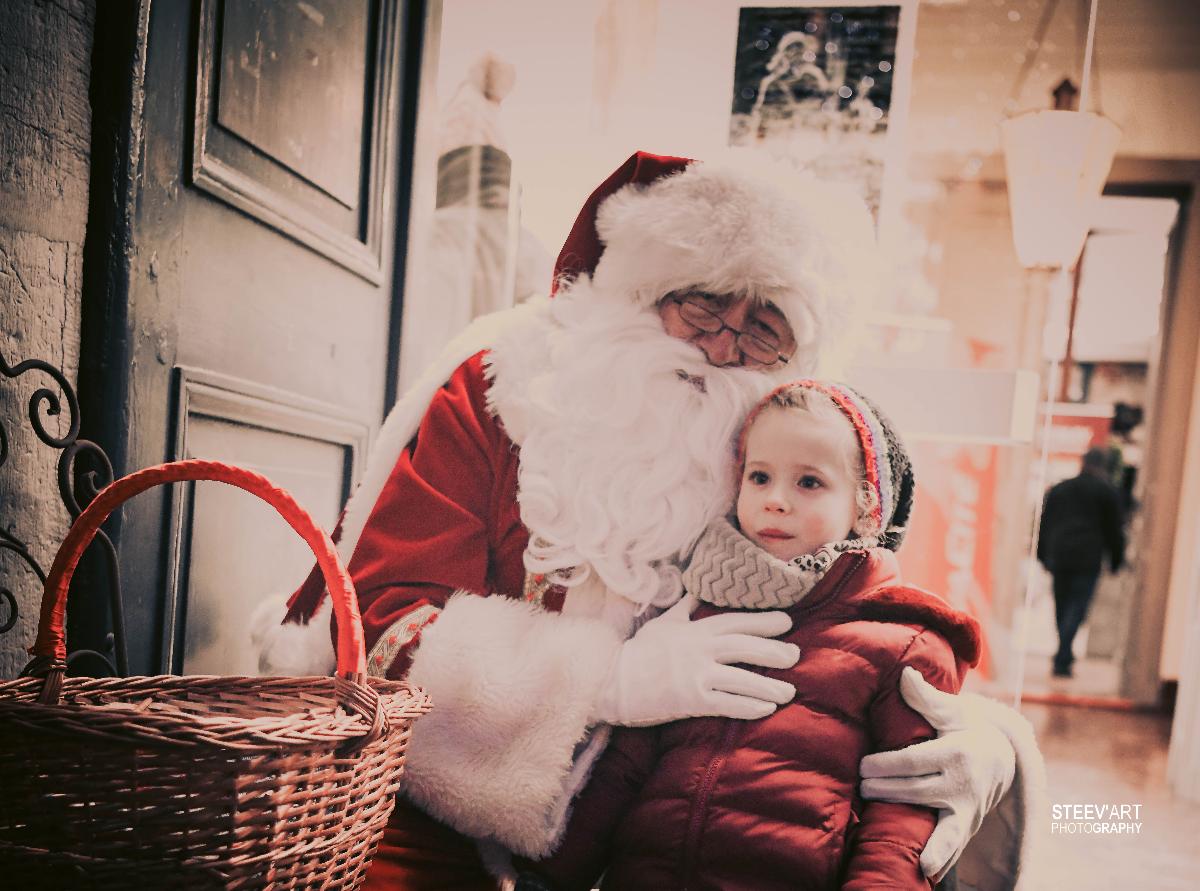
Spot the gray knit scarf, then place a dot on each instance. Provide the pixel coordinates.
(728, 569)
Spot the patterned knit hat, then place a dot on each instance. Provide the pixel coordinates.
(888, 468)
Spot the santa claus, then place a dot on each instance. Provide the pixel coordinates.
(517, 537)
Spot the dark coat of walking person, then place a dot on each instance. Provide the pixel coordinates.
(1081, 524)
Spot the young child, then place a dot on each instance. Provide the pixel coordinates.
(710, 803)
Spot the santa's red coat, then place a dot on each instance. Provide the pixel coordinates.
(445, 521)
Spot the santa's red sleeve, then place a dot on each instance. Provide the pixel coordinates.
(446, 520)
(439, 574)
(431, 529)
(886, 844)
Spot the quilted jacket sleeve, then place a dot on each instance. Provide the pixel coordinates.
(886, 845)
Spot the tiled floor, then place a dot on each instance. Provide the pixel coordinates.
(1096, 756)
(1090, 678)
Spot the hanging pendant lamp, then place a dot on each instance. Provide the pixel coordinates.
(1056, 165)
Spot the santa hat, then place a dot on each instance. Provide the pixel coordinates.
(888, 468)
(660, 224)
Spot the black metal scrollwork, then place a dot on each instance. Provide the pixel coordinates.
(77, 487)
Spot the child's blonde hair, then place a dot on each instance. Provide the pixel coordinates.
(875, 457)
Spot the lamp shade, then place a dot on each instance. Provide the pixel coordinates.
(1056, 163)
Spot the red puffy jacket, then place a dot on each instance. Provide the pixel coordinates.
(715, 803)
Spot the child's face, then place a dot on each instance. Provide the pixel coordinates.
(797, 492)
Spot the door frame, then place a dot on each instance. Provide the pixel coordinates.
(1172, 458)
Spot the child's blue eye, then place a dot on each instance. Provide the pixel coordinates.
(808, 481)
(758, 477)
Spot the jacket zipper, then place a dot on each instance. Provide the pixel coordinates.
(700, 802)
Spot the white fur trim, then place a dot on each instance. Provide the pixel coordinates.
(512, 688)
(745, 227)
(518, 356)
(291, 649)
(1003, 848)
(402, 421)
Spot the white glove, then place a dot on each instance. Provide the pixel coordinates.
(675, 668)
(963, 773)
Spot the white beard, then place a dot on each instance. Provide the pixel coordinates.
(623, 462)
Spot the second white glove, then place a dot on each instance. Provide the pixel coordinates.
(675, 668)
(963, 773)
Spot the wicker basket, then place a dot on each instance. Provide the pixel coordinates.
(197, 782)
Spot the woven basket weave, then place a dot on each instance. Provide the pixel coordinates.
(197, 782)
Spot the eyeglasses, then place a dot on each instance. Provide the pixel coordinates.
(766, 347)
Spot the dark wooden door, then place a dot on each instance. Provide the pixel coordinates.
(260, 314)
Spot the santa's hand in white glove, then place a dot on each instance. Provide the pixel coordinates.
(675, 668)
(963, 773)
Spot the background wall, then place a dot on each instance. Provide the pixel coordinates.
(969, 53)
(45, 131)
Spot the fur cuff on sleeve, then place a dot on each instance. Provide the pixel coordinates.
(292, 649)
(512, 688)
(999, 855)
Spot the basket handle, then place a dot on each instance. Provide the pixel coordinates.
(50, 643)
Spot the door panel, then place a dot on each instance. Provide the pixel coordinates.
(277, 60)
(293, 103)
(232, 551)
(257, 325)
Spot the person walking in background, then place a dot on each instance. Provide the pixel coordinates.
(1081, 522)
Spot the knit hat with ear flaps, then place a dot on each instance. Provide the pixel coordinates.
(888, 467)
(661, 224)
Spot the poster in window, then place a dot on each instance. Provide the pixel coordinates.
(813, 85)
